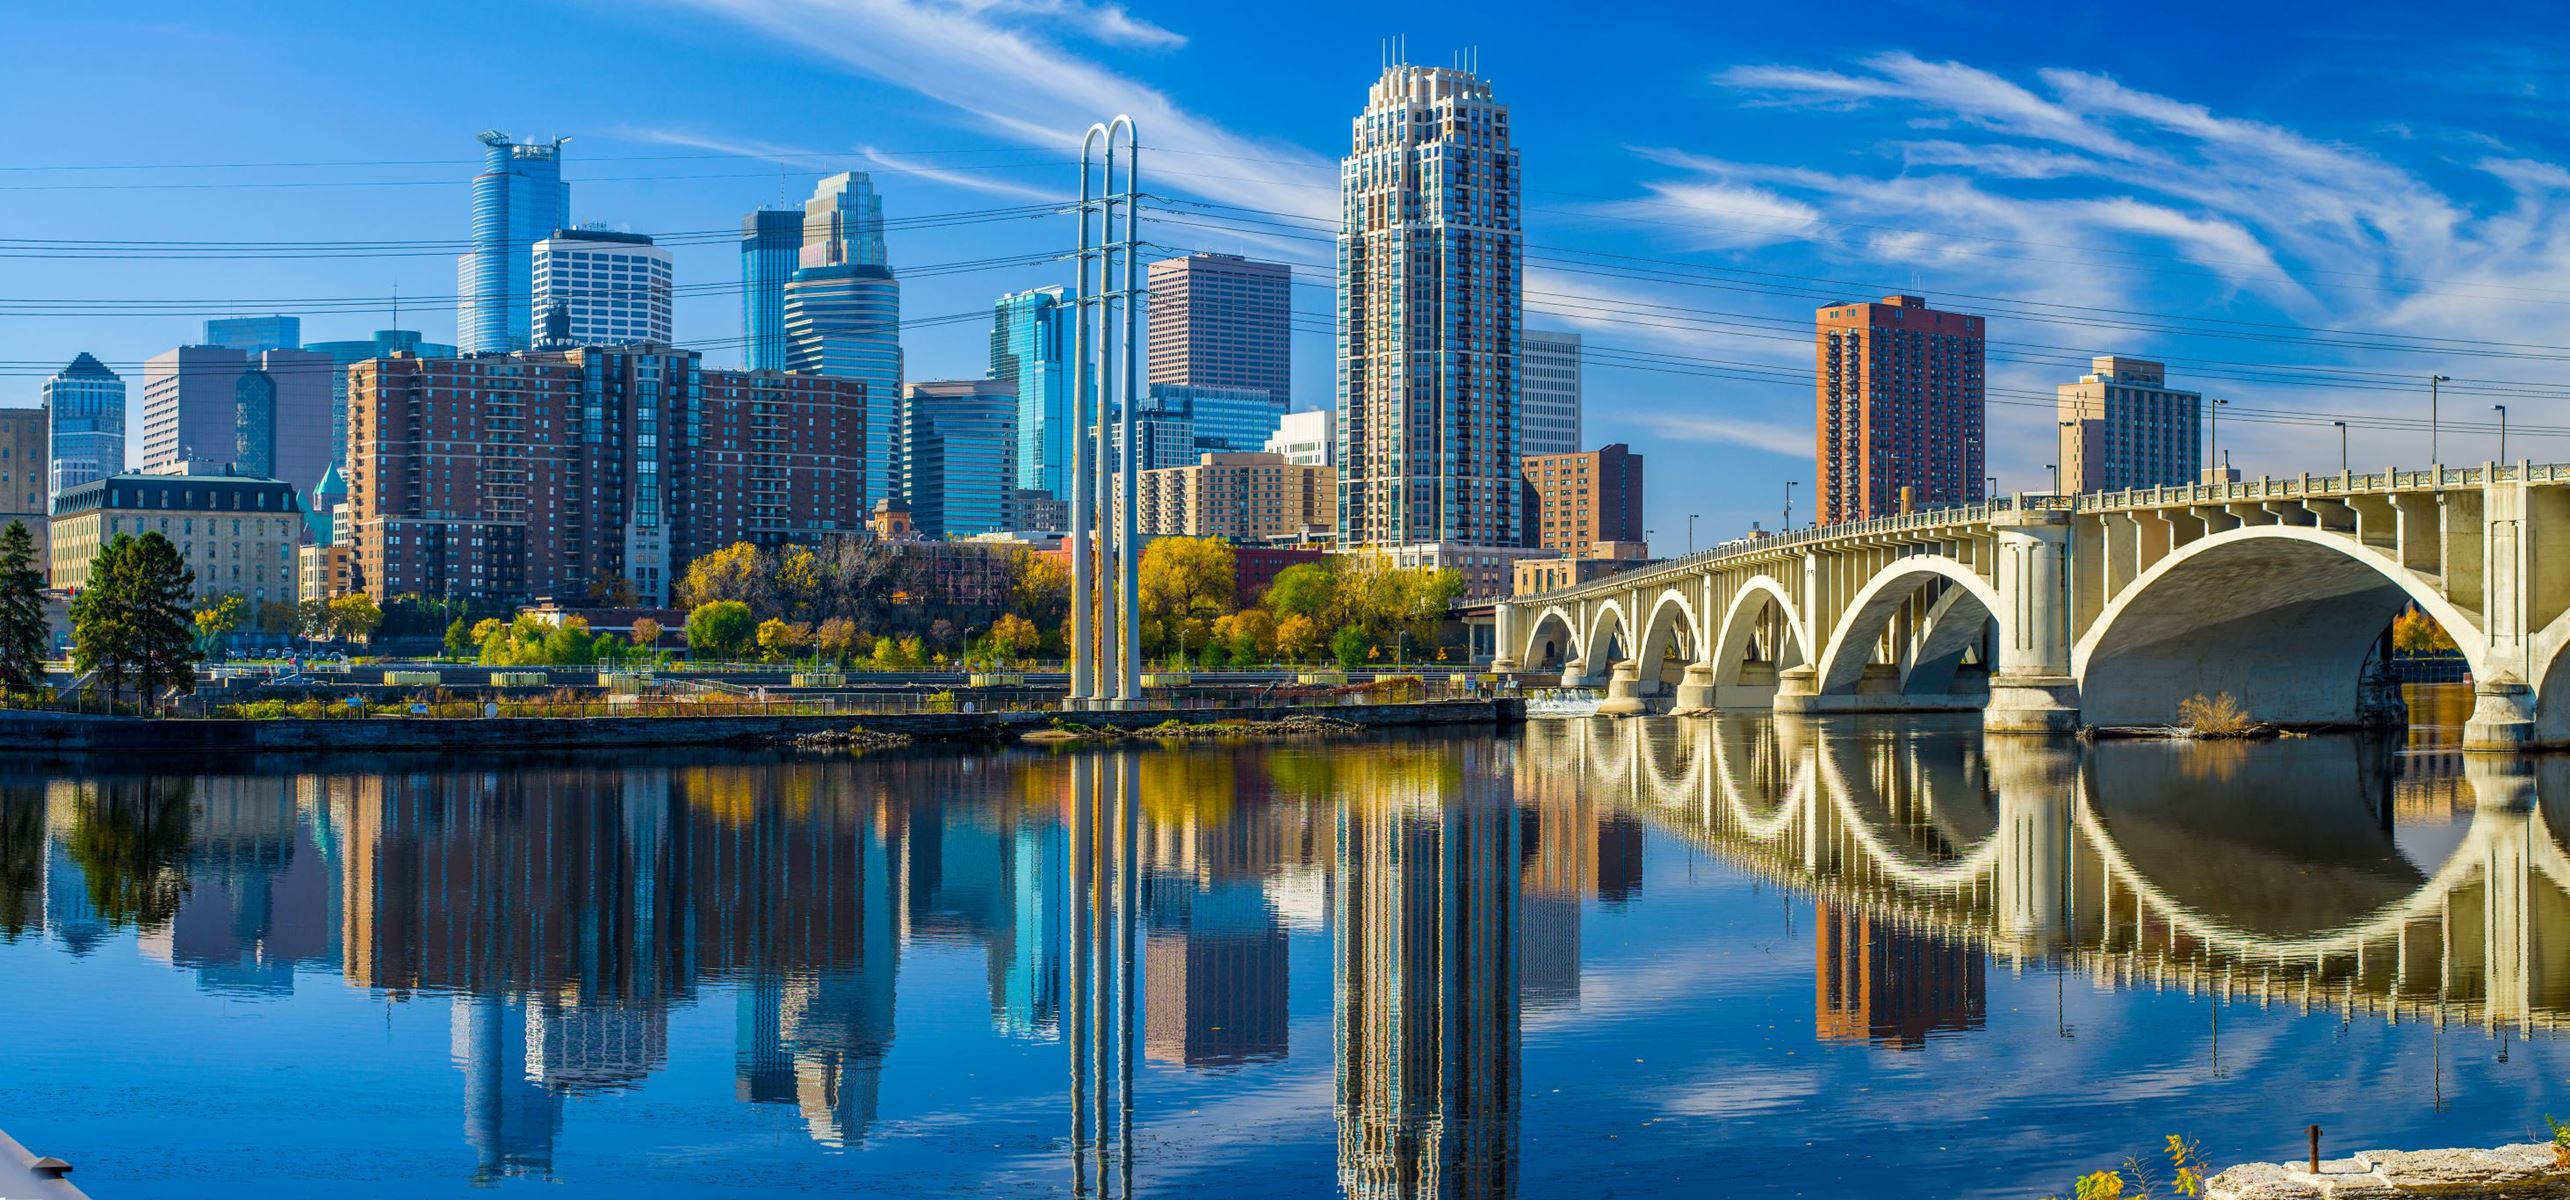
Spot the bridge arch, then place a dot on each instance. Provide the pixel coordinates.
(1609, 629)
(1551, 640)
(1671, 623)
(2280, 616)
(1735, 638)
(1956, 621)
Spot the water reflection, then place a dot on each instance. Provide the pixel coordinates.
(1138, 912)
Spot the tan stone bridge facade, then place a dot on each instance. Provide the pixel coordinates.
(2049, 612)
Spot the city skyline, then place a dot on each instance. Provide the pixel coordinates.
(2014, 189)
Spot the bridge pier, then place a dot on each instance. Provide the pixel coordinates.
(1624, 691)
(1698, 690)
(2502, 714)
(1798, 689)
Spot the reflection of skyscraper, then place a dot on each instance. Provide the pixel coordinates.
(510, 1121)
(1427, 1014)
(1214, 975)
(1893, 986)
(260, 897)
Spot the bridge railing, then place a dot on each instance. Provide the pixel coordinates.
(2244, 490)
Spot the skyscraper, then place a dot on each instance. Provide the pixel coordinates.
(614, 288)
(87, 440)
(1305, 439)
(843, 312)
(2122, 426)
(771, 247)
(1900, 415)
(1220, 320)
(250, 335)
(1578, 500)
(1031, 347)
(268, 414)
(518, 200)
(958, 455)
(1548, 369)
(1228, 420)
(1429, 255)
(25, 470)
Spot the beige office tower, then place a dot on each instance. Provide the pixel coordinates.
(2122, 426)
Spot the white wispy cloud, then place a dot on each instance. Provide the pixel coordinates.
(1713, 429)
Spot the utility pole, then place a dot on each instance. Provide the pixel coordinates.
(2342, 446)
(2433, 458)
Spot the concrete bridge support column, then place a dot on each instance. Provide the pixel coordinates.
(1503, 644)
(2033, 691)
(2502, 702)
(1624, 691)
(1697, 690)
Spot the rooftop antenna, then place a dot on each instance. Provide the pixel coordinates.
(397, 304)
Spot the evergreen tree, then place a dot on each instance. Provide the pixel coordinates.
(164, 585)
(101, 636)
(23, 633)
(131, 624)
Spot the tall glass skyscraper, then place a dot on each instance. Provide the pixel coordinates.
(250, 335)
(843, 312)
(771, 247)
(87, 438)
(956, 442)
(1031, 347)
(519, 199)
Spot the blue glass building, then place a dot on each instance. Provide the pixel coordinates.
(958, 441)
(385, 343)
(1228, 420)
(771, 245)
(87, 436)
(842, 312)
(1031, 348)
(250, 335)
(519, 199)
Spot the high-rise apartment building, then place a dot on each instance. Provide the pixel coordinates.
(608, 288)
(1228, 420)
(250, 335)
(843, 311)
(959, 456)
(1164, 426)
(87, 403)
(771, 249)
(1548, 419)
(550, 473)
(342, 353)
(1429, 252)
(1239, 497)
(1900, 421)
(265, 415)
(25, 474)
(1577, 500)
(519, 199)
(2122, 426)
(1306, 439)
(1220, 320)
(1031, 335)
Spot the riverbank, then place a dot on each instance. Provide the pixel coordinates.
(47, 731)
(2520, 1171)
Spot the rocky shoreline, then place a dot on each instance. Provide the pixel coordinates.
(2526, 1170)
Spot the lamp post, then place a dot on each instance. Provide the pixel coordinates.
(2055, 468)
(2502, 410)
(2065, 457)
(2213, 452)
(2433, 458)
(1691, 532)
(1788, 526)
(2342, 446)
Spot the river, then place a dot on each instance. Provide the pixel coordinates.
(1824, 958)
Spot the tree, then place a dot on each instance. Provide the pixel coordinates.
(836, 639)
(24, 635)
(1186, 583)
(1013, 638)
(354, 617)
(130, 625)
(2414, 633)
(1248, 636)
(459, 638)
(1351, 646)
(1298, 638)
(277, 618)
(780, 639)
(1039, 589)
(213, 624)
(734, 572)
(646, 634)
(527, 640)
(720, 629)
(1307, 590)
(613, 591)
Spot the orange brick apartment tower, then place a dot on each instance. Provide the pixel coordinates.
(1899, 408)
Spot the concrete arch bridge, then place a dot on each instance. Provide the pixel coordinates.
(2050, 612)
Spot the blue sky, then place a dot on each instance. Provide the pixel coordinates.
(2304, 216)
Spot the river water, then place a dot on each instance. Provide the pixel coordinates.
(1824, 958)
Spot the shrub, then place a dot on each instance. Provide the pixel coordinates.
(2220, 716)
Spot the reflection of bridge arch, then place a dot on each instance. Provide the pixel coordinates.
(1968, 604)
(2280, 616)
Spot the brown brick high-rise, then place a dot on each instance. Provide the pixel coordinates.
(550, 473)
(1580, 499)
(1900, 406)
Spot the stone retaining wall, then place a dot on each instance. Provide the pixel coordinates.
(75, 732)
(2515, 1172)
